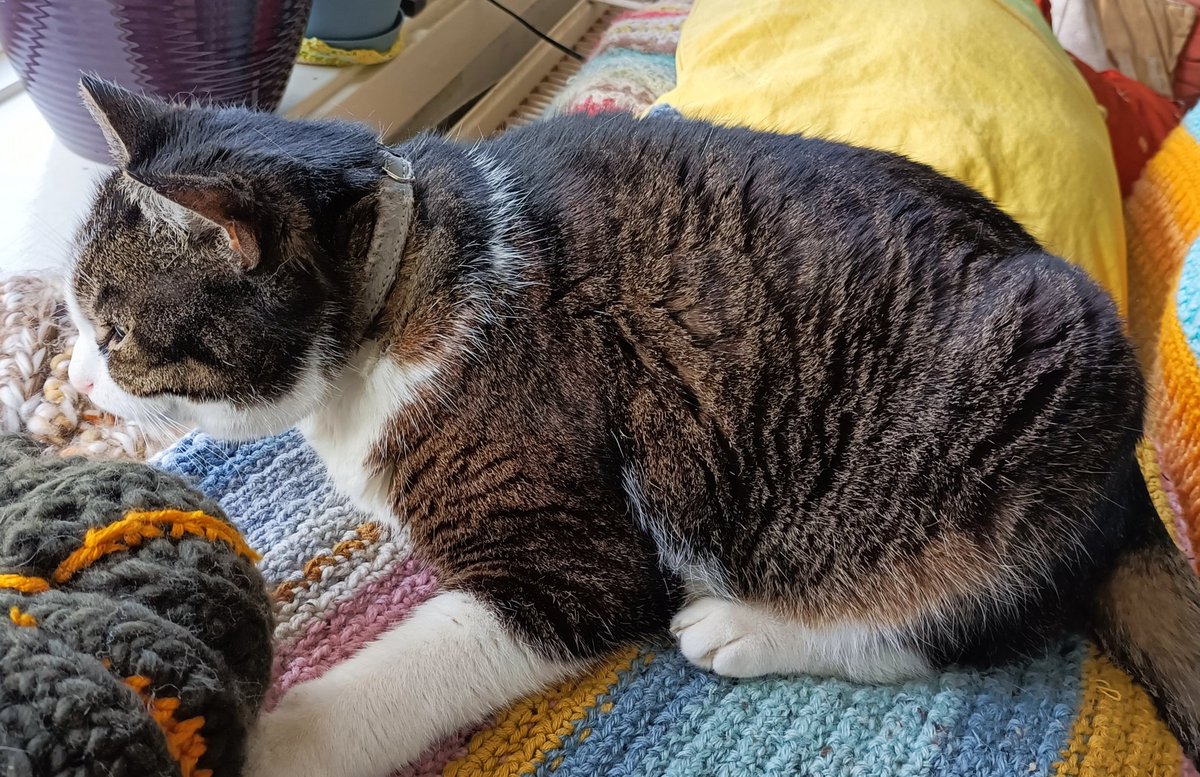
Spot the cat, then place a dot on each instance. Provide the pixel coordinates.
(807, 407)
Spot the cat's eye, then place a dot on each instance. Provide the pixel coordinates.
(111, 336)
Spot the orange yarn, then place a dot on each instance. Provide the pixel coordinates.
(185, 744)
(367, 533)
(1162, 219)
(21, 618)
(23, 584)
(137, 527)
(1178, 420)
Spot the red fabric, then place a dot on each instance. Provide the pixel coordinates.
(1044, 7)
(593, 107)
(1138, 118)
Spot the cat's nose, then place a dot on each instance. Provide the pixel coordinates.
(79, 378)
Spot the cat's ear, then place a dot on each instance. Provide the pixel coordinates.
(123, 116)
(214, 202)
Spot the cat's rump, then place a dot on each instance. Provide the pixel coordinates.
(1146, 614)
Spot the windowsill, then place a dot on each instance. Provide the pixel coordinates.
(9, 83)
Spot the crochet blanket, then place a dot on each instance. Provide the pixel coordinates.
(1162, 219)
(341, 579)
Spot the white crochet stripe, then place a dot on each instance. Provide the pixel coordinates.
(292, 522)
(375, 555)
(345, 580)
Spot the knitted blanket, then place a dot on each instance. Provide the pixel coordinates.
(1162, 219)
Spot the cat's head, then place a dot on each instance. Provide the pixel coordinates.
(212, 276)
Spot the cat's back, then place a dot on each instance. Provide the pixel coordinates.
(832, 278)
(683, 182)
(673, 211)
(849, 331)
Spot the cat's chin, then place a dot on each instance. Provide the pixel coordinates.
(239, 431)
(232, 423)
(170, 416)
(221, 419)
(243, 422)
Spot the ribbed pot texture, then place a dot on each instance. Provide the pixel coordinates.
(228, 52)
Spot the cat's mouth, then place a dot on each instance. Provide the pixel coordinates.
(234, 422)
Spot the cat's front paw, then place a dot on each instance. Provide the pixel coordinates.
(293, 740)
(725, 637)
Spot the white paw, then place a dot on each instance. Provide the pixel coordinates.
(292, 740)
(728, 638)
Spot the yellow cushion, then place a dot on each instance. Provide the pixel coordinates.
(977, 89)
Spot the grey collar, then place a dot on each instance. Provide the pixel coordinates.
(393, 216)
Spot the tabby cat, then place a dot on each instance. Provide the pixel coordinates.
(810, 408)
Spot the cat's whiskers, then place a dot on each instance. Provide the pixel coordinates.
(166, 423)
(47, 231)
(85, 276)
(154, 427)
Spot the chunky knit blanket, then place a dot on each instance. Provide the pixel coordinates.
(340, 580)
(118, 655)
(36, 399)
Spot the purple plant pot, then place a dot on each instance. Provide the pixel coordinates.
(228, 52)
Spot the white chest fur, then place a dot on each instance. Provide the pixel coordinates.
(345, 431)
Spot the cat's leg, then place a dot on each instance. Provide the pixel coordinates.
(449, 665)
(736, 639)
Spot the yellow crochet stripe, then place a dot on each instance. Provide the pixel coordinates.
(1117, 731)
(22, 619)
(518, 742)
(1148, 461)
(314, 51)
(136, 527)
(185, 744)
(1178, 419)
(23, 584)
